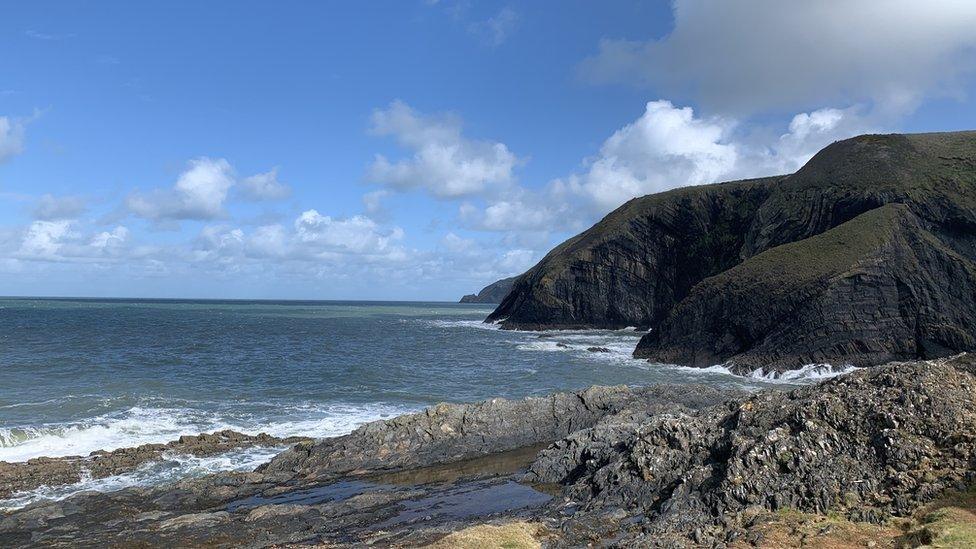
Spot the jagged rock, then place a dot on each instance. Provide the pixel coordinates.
(868, 445)
(452, 432)
(492, 293)
(656, 258)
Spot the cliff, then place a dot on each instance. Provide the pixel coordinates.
(492, 293)
(783, 271)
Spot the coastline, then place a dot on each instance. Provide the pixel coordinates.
(606, 456)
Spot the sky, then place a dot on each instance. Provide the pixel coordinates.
(417, 149)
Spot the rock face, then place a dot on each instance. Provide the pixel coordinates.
(868, 445)
(874, 289)
(635, 265)
(492, 293)
(818, 266)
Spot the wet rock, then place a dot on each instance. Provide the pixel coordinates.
(45, 471)
(598, 349)
(296, 499)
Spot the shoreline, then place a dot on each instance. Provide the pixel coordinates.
(662, 465)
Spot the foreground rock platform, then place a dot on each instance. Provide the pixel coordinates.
(374, 485)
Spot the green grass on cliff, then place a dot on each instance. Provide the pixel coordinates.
(825, 254)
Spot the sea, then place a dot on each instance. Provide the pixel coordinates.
(79, 375)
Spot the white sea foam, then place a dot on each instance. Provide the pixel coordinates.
(476, 324)
(170, 468)
(807, 372)
(145, 425)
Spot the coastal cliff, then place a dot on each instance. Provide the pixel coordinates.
(492, 293)
(777, 273)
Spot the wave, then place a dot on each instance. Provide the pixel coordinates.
(152, 425)
(809, 373)
(476, 324)
(168, 469)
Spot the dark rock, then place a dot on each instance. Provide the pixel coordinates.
(492, 293)
(598, 349)
(452, 432)
(868, 445)
(634, 265)
(875, 289)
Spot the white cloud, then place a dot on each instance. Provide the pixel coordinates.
(444, 162)
(63, 241)
(666, 147)
(358, 234)
(762, 55)
(44, 239)
(113, 239)
(264, 186)
(11, 137)
(51, 207)
(199, 193)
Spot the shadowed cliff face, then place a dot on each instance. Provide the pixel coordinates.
(635, 265)
(693, 264)
(875, 289)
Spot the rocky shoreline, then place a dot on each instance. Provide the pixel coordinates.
(667, 466)
(48, 471)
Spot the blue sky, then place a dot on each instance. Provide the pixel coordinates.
(416, 149)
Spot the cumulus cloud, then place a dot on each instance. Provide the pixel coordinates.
(51, 207)
(264, 186)
(761, 55)
(11, 137)
(444, 162)
(61, 241)
(666, 147)
(312, 237)
(201, 191)
(358, 234)
(44, 239)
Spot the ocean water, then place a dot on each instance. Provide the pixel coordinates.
(79, 375)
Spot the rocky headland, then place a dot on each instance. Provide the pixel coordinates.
(884, 454)
(863, 256)
(492, 293)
